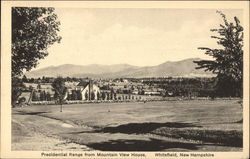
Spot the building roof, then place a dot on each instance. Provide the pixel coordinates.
(71, 84)
(46, 86)
(42, 85)
(83, 84)
(25, 95)
(34, 85)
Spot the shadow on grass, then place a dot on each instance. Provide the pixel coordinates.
(172, 130)
(139, 128)
(140, 145)
(29, 113)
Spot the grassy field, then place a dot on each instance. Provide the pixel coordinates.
(196, 125)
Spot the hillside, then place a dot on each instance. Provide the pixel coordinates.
(73, 70)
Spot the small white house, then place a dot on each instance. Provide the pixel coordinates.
(88, 90)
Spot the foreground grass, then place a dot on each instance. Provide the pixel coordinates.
(122, 125)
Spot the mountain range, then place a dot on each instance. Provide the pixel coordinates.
(183, 68)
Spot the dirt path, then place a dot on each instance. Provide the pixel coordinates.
(27, 136)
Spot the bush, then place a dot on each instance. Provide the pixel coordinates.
(21, 100)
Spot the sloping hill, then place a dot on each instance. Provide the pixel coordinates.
(184, 68)
(73, 70)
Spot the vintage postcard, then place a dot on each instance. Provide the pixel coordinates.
(125, 79)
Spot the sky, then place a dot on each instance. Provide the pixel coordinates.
(141, 37)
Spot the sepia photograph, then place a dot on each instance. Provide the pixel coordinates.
(127, 79)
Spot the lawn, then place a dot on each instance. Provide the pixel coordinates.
(192, 122)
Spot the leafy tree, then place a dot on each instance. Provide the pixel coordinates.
(24, 79)
(142, 92)
(79, 95)
(33, 31)
(108, 96)
(74, 95)
(55, 96)
(98, 95)
(43, 79)
(69, 97)
(31, 80)
(86, 95)
(68, 79)
(111, 96)
(60, 90)
(39, 86)
(228, 61)
(92, 96)
(48, 96)
(21, 100)
(103, 96)
(34, 96)
(30, 88)
(42, 96)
